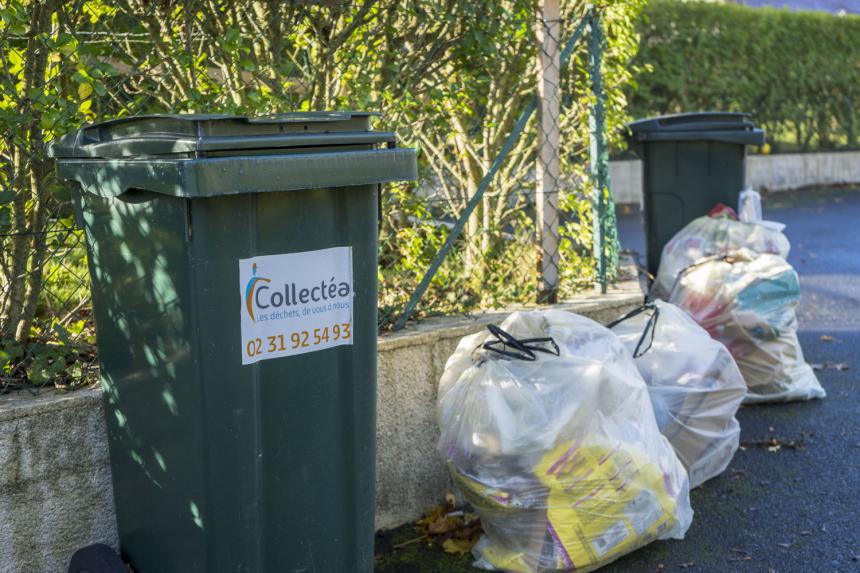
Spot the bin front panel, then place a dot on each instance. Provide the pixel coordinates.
(683, 180)
(263, 467)
(303, 426)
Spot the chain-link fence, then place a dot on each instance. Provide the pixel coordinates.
(526, 231)
(505, 194)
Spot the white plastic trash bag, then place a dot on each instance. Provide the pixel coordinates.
(694, 384)
(747, 302)
(710, 236)
(547, 430)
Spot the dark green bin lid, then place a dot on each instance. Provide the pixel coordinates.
(181, 134)
(727, 127)
(195, 155)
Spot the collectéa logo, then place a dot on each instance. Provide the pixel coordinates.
(261, 295)
(252, 288)
(293, 303)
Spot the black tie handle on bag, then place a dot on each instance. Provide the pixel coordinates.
(519, 349)
(650, 327)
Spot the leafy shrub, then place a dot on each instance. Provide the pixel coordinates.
(797, 73)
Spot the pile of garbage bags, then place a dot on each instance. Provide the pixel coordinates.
(731, 276)
(577, 443)
(694, 384)
(547, 429)
(747, 301)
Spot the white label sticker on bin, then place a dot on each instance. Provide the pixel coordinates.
(295, 303)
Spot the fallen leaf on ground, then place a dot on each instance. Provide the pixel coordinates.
(806, 532)
(740, 555)
(444, 525)
(786, 545)
(455, 531)
(827, 338)
(687, 565)
(840, 366)
(457, 546)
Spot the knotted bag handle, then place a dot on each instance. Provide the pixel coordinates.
(524, 348)
(650, 327)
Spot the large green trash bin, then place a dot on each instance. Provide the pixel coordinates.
(233, 267)
(691, 162)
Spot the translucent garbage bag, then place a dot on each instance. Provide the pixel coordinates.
(694, 384)
(547, 430)
(747, 301)
(709, 236)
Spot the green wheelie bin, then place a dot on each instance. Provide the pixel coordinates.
(691, 162)
(233, 270)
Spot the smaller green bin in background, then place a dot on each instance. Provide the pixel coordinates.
(233, 268)
(691, 162)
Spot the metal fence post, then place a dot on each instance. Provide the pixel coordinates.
(548, 135)
(599, 164)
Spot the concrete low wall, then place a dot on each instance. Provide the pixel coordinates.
(55, 482)
(794, 170)
(774, 173)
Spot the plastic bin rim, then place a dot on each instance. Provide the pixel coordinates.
(687, 121)
(288, 117)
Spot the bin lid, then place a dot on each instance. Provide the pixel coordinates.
(728, 127)
(213, 155)
(201, 134)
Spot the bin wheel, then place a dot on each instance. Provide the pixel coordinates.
(96, 558)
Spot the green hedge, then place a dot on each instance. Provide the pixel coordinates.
(798, 73)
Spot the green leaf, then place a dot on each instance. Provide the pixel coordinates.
(85, 90)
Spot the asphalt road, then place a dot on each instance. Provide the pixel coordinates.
(795, 510)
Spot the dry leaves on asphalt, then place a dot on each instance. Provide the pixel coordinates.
(840, 366)
(775, 444)
(455, 531)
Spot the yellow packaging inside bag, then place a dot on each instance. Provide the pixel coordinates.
(602, 503)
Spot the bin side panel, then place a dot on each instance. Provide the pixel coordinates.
(141, 300)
